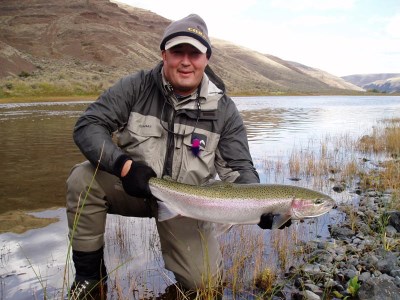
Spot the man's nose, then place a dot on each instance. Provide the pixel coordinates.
(186, 59)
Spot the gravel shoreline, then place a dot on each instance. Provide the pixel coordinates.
(361, 259)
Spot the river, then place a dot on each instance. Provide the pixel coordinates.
(37, 152)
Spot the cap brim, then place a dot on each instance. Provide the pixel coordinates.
(182, 39)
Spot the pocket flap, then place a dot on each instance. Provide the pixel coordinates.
(145, 126)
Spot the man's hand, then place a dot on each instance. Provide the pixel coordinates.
(135, 180)
(267, 220)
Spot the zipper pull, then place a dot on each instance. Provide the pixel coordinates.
(169, 88)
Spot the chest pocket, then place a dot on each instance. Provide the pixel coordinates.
(196, 169)
(142, 138)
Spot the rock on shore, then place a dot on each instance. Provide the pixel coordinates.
(363, 250)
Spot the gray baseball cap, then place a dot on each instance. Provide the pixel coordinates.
(191, 30)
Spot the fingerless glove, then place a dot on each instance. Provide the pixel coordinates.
(136, 181)
(267, 220)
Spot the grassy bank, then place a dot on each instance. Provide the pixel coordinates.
(60, 97)
(28, 99)
(345, 164)
(15, 88)
(63, 87)
(63, 83)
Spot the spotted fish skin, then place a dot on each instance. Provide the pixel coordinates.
(230, 203)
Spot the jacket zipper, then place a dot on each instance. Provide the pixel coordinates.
(169, 154)
(170, 149)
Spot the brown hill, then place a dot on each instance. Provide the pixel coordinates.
(390, 85)
(82, 46)
(381, 82)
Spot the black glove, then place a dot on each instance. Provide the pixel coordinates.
(136, 181)
(266, 221)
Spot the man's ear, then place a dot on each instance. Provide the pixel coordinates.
(163, 54)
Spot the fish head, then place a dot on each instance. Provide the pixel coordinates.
(318, 205)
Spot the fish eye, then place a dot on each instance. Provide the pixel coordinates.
(318, 201)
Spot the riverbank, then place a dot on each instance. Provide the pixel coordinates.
(31, 99)
(361, 258)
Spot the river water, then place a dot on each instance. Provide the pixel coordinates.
(37, 152)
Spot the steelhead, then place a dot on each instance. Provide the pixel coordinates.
(230, 203)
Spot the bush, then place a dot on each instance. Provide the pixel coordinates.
(24, 74)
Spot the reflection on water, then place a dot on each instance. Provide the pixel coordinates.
(36, 153)
(277, 123)
(273, 124)
(35, 260)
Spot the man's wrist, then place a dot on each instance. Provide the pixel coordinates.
(126, 167)
(120, 164)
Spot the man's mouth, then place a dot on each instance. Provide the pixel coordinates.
(185, 73)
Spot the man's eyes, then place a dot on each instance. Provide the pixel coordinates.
(191, 54)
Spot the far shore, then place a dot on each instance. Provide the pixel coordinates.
(48, 99)
(31, 99)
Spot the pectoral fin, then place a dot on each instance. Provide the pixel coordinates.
(220, 229)
(164, 212)
(279, 220)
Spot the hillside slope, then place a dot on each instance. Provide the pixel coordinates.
(85, 45)
(389, 86)
(384, 82)
(327, 78)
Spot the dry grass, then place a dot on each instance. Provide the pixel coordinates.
(384, 141)
(35, 88)
(385, 137)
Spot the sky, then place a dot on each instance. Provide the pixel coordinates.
(341, 37)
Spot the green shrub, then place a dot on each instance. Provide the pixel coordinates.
(24, 74)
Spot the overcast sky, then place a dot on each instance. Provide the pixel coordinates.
(342, 37)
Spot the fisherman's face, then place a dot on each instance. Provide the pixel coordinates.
(184, 67)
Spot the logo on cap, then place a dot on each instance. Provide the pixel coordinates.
(194, 30)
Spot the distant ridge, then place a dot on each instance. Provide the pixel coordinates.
(382, 82)
(85, 45)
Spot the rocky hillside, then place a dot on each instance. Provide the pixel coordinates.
(390, 86)
(83, 46)
(385, 83)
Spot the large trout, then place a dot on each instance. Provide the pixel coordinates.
(230, 203)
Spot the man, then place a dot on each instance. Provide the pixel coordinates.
(172, 120)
